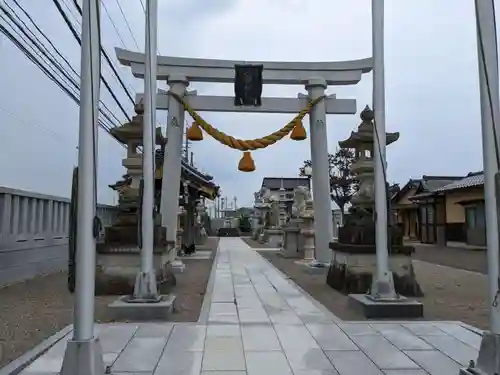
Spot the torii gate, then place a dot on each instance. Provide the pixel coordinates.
(83, 355)
(316, 77)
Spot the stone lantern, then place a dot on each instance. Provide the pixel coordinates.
(354, 255)
(131, 135)
(362, 143)
(118, 255)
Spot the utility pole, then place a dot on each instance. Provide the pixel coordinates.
(83, 354)
(145, 284)
(488, 360)
(383, 284)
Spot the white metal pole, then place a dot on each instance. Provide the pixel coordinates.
(383, 276)
(148, 143)
(85, 242)
(488, 359)
(488, 82)
(145, 284)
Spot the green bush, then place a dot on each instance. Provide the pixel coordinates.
(244, 224)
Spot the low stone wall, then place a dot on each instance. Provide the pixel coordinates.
(352, 273)
(22, 264)
(34, 233)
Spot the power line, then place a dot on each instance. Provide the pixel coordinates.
(106, 56)
(78, 38)
(35, 124)
(47, 72)
(41, 48)
(41, 33)
(68, 7)
(32, 38)
(70, 11)
(128, 25)
(104, 123)
(113, 24)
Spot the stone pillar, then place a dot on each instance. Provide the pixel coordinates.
(5, 226)
(172, 160)
(307, 231)
(320, 174)
(189, 223)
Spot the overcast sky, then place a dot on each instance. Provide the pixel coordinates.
(431, 86)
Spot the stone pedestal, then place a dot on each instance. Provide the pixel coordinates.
(352, 272)
(263, 236)
(125, 309)
(400, 307)
(293, 244)
(307, 230)
(255, 233)
(274, 237)
(117, 268)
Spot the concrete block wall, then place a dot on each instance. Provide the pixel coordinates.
(34, 233)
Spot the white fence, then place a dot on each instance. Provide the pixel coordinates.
(34, 233)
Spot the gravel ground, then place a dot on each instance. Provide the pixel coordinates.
(467, 259)
(255, 244)
(35, 309)
(450, 293)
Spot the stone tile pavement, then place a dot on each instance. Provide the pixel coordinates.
(260, 323)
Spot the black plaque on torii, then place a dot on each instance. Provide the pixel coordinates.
(248, 85)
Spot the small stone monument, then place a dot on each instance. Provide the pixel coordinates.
(354, 255)
(307, 231)
(293, 244)
(274, 233)
(263, 207)
(200, 232)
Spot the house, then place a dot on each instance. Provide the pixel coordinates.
(413, 208)
(281, 189)
(442, 209)
(465, 215)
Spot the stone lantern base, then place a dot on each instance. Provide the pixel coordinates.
(353, 272)
(274, 237)
(354, 260)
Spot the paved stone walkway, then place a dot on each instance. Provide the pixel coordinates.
(260, 323)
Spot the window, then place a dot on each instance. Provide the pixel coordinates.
(423, 215)
(430, 214)
(474, 216)
(480, 218)
(470, 217)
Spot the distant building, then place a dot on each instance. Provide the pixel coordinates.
(442, 209)
(241, 211)
(282, 189)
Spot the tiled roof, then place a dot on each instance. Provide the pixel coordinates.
(289, 183)
(471, 180)
(433, 183)
(186, 168)
(425, 185)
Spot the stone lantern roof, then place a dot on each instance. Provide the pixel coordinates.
(132, 131)
(365, 133)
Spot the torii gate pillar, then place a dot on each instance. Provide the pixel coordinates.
(323, 223)
(172, 161)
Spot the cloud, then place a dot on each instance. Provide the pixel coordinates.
(431, 82)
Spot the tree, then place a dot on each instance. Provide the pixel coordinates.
(343, 183)
(244, 224)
